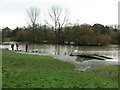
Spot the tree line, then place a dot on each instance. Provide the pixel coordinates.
(77, 35)
(58, 31)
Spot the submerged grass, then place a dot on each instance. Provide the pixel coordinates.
(34, 71)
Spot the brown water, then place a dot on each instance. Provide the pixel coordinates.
(110, 50)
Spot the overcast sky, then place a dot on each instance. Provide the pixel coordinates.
(13, 12)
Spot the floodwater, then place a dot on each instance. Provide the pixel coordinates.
(62, 52)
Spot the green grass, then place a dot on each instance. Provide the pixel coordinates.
(34, 71)
(108, 72)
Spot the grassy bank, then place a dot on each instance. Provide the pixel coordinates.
(33, 71)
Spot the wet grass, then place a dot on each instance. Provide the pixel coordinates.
(33, 71)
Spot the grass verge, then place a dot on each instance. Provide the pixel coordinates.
(34, 71)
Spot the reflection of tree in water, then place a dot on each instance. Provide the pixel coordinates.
(64, 50)
(57, 49)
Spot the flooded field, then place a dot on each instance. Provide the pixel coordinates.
(62, 52)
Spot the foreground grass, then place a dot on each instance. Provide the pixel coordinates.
(33, 71)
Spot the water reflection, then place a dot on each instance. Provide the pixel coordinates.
(111, 50)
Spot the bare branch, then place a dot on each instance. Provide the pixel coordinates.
(33, 15)
(58, 18)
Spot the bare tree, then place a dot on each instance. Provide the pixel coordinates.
(58, 16)
(33, 16)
